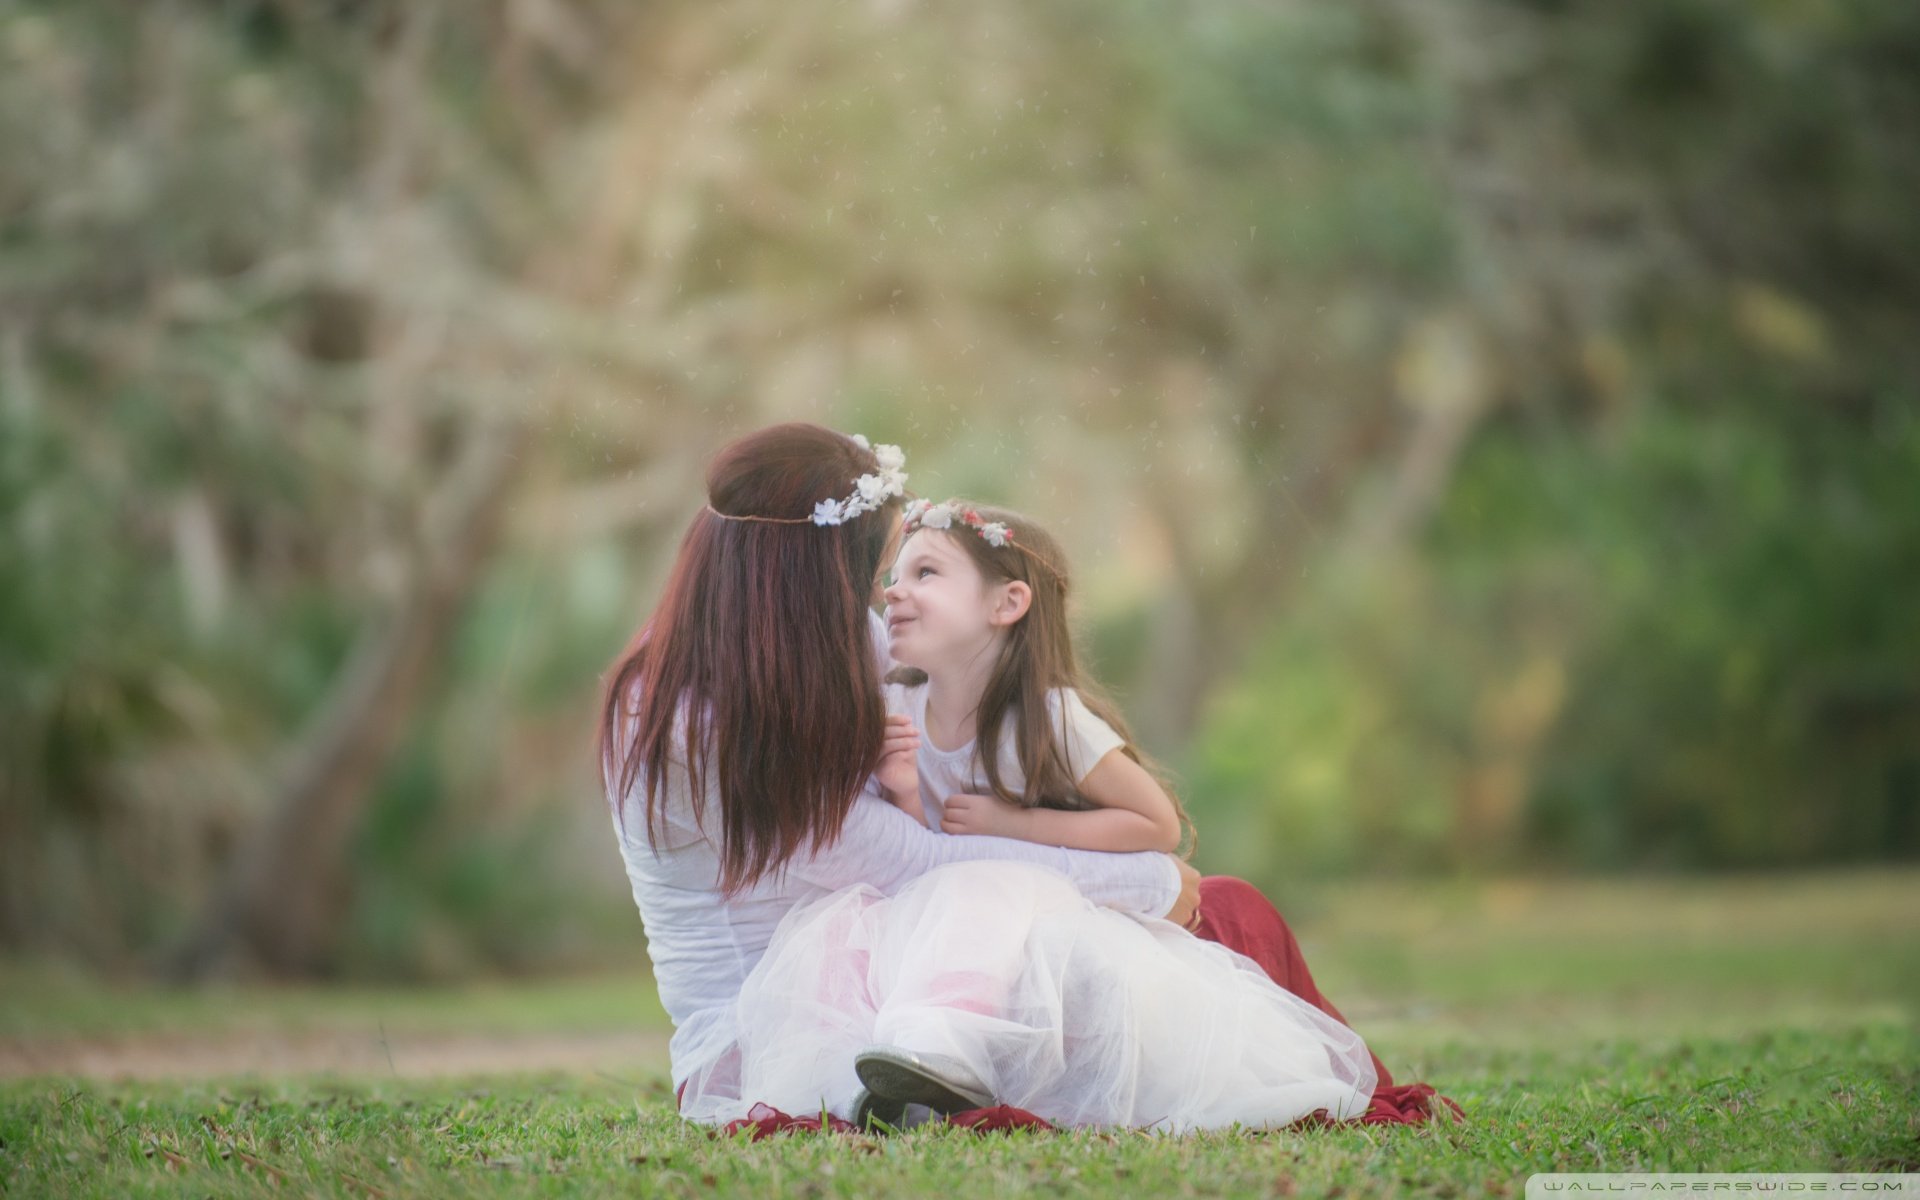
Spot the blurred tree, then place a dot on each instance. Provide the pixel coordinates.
(1375, 361)
(1612, 654)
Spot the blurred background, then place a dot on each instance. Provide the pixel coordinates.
(1487, 434)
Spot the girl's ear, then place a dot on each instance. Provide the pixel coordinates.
(1015, 598)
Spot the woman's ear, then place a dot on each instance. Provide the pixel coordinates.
(1012, 604)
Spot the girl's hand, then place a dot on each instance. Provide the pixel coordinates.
(988, 815)
(899, 770)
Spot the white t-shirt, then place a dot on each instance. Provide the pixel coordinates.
(1083, 737)
(703, 943)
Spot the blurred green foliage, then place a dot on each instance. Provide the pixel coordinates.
(1668, 620)
(1486, 432)
(1700, 633)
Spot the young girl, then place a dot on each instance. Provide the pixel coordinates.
(1015, 741)
(1001, 982)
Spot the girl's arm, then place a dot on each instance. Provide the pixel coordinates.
(898, 777)
(1134, 813)
(907, 802)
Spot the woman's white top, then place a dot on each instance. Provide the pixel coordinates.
(1084, 738)
(703, 943)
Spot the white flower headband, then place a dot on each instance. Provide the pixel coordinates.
(925, 514)
(869, 491)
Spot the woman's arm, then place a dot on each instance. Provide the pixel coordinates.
(882, 846)
(1134, 813)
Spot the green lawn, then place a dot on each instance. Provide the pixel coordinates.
(41, 1000)
(1758, 1024)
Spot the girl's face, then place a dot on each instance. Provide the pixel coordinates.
(941, 612)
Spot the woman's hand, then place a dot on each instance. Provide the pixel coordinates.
(988, 815)
(899, 770)
(1186, 909)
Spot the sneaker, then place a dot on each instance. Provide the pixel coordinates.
(870, 1110)
(877, 1114)
(900, 1077)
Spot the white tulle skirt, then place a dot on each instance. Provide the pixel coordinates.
(1078, 1014)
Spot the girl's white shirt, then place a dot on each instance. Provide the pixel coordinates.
(703, 944)
(1085, 738)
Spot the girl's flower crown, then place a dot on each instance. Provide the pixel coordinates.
(925, 514)
(869, 491)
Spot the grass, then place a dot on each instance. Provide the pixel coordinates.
(46, 1000)
(1752, 1025)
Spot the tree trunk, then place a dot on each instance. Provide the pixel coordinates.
(283, 895)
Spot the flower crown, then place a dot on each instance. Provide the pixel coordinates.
(869, 491)
(925, 514)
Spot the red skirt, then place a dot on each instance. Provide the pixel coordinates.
(1234, 914)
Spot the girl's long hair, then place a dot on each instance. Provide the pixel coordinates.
(760, 643)
(1036, 657)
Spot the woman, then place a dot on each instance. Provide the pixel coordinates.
(733, 810)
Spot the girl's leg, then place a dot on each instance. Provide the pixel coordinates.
(1235, 914)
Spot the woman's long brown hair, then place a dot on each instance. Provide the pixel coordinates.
(760, 644)
(1036, 657)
